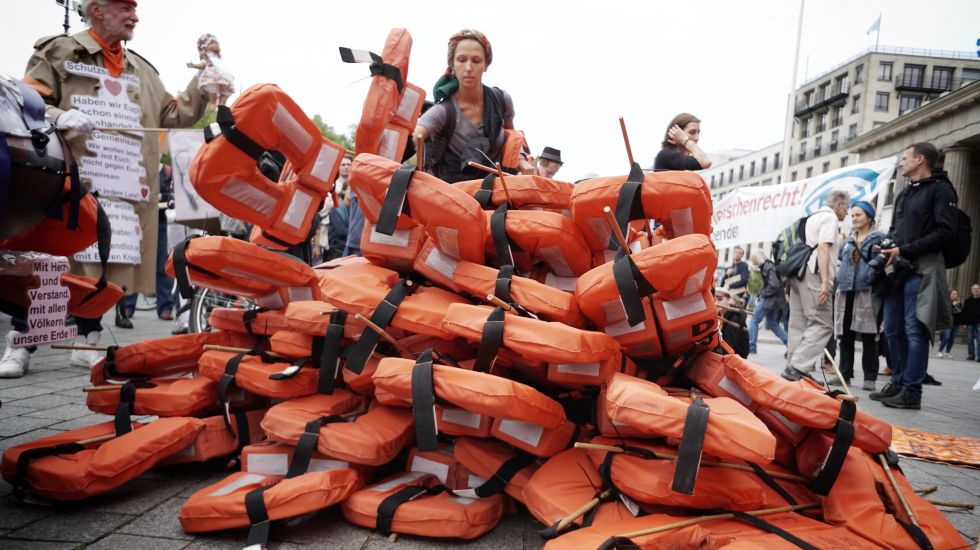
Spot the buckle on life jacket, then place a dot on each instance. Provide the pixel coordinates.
(377, 67)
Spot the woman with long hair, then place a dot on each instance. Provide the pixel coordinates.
(680, 149)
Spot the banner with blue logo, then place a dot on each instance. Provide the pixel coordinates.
(758, 214)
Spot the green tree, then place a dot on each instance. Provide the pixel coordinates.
(209, 117)
(344, 140)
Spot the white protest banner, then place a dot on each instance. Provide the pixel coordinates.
(126, 235)
(116, 164)
(188, 205)
(46, 299)
(758, 214)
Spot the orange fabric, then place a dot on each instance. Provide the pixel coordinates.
(168, 397)
(165, 356)
(386, 111)
(442, 515)
(215, 440)
(514, 145)
(733, 431)
(547, 237)
(253, 375)
(226, 177)
(114, 57)
(312, 317)
(534, 438)
(441, 463)
(272, 458)
(484, 457)
(232, 319)
(103, 466)
(396, 251)
(525, 192)
(53, 237)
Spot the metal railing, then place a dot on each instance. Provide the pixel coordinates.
(898, 50)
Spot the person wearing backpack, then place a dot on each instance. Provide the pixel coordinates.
(769, 305)
(811, 311)
(924, 222)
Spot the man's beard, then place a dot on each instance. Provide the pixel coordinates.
(120, 30)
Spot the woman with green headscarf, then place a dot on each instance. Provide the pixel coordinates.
(469, 119)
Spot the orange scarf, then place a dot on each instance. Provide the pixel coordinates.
(114, 56)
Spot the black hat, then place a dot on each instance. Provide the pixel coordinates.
(551, 154)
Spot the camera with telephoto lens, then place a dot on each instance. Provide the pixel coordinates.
(899, 268)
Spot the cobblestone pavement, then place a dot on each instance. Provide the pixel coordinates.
(143, 513)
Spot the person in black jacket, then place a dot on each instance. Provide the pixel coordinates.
(971, 318)
(680, 149)
(769, 306)
(918, 303)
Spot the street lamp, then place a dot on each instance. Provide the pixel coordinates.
(69, 5)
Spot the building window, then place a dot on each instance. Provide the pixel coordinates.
(969, 75)
(808, 99)
(712, 182)
(843, 162)
(775, 161)
(826, 167)
(762, 168)
(792, 176)
(859, 74)
(856, 104)
(885, 70)
(809, 172)
(741, 172)
(731, 176)
(805, 128)
(833, 140)
(822, 122)
(816, 146)
(908, 102)
(852, 131)
(942, 78)
(824, 92)
(841, 86)
(913, 75)
(881, 101)
(721, 179)
(802, 154)
(838, 117)
(767, 181)
(752, 169)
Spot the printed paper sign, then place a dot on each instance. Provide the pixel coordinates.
(47, 305)
(188, 205)
(126, 235)
(758, 214)
(115, 166)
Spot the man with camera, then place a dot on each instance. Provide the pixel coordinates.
(917, 299)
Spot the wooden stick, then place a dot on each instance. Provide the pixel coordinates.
(80, 348)
(108, 387)
(503, 185)
(478, 166)
(216, 347)
(112, 129)
(567, 520)
(393, 537)
(419, 152)
(898, 490)
(703, 519)
(837, 371)
(626, 140)
(963, 505)
(499, 303)
(732, 323)
(926, 490)
(616, 230)
(666, 456)
(381, 332)
(98, 439)
(735, 309)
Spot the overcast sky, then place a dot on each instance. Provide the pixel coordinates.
(572, 67)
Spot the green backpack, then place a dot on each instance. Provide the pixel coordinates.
(790, 252)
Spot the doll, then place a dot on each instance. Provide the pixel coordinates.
(213, 78)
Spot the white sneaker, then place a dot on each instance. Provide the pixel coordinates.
(14, 362)
(83, 357)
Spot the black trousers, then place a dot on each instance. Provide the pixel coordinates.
(869, 357)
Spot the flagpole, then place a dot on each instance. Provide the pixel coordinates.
(790, 100)
(878, 32)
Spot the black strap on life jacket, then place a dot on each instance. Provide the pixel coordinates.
(243, 431)
(632, 286)
(770, 528)
(307, 443)
(123, 421)
(692, 444)
(484, 194)
(772, 483)
(498, 231)
(424, 403)
(395, 203)
(328, 349)
(843, 436)
(618, 543)
(917, 534)
(181, 267)
(501, 289)
(258, 518)
(491, 340)
(20, 480)
(388, 506)
(249, 317)
(628, 204)
(103, 232)
(551, 531)
(226, 122)
(226, 382)
(292, 370)
(498, 480)
(382, 316)
(378, 66)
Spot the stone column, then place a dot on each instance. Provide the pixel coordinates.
(957, 166)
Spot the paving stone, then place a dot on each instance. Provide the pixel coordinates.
(14, 410)
(133, 542)
(81, 422)
(68, 383)
(72, 526)
(48, 401)
(327, 529)
(15, 514)
(23, 392)
(21, 544)
(23, 438)
(135, 497)
(210, 478)
(63, 412)
(161, 521)
(16, 425)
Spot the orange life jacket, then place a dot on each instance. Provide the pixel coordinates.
(534, 438)
(441, 463)
(523, 192)
(416, 503)
(156, 396)
(217, 438)
(733, 431)
(680, 201)
(258, 374)
(88, 298)
(523, 237)
(57, 468)
(159, 357)
(242, 269)
(396, 251)
(226, 175)
(272, 458)
(500, 466)
(395, 197)
(257, 322)
(514, 145)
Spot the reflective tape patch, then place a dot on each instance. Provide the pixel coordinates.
(522, 431)
(291, 128)
(682, 221)
(399, 238)
(694, 282)
(270, 464)
(422, 464)
(249, 195)
(462, 417)
(445, 265)
(299, 293)
(243, 481)
(726, 384)
(553, 256)
(299, 206)
(448, 239)
(325, 161)
(682, 307)
(561, 283)
(581, 369)
(407, 477)
(406, 107)
(389, 145)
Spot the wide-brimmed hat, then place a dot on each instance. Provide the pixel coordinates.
(552, 154)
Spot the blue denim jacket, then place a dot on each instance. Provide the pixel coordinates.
(849, 276)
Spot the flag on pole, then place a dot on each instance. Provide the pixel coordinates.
(874, 26)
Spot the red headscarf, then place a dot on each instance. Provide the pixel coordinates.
(472, 34)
